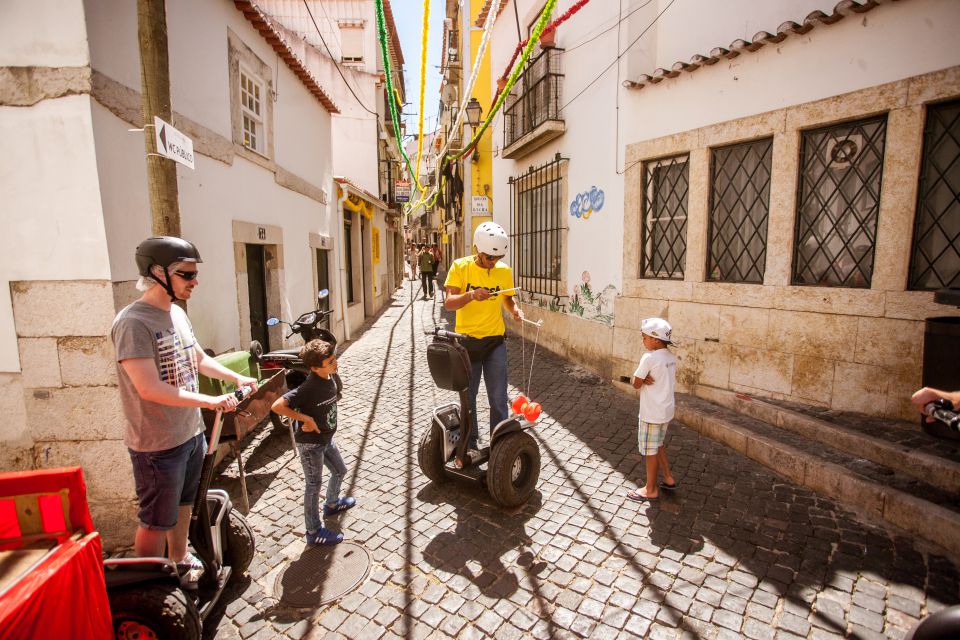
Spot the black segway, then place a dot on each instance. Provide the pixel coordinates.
(150, 599)
(513, 458)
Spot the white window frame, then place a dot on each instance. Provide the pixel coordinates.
(355, 39)
(250, 115)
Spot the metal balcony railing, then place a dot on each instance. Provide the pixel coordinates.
(535, 97)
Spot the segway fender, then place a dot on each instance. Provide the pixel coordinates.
(510, 425)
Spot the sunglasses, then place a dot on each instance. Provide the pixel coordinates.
(488, 257)
(187, 275)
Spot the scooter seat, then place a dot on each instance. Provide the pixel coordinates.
(295, 351)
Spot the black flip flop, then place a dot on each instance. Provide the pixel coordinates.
(669, 487)
(636, 497)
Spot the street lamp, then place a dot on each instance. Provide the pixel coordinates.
(473, 112)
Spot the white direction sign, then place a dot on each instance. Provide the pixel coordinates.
(173, 144)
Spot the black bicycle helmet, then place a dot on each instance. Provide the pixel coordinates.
(164, 251)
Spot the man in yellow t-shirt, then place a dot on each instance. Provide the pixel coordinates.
(478, 287)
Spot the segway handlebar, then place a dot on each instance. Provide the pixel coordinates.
(943, 410)
(443, 333)
(241, 395)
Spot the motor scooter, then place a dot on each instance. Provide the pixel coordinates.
(513, 457)
(149, 598)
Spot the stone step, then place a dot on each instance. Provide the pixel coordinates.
(907, 450)
(879, 491)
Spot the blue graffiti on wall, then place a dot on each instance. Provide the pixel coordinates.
(586, 203)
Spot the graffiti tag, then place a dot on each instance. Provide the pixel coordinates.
(586, 203)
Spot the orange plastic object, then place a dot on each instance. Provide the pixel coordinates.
(519, 403)
(532, 411)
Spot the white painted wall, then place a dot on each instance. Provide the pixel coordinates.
(894, 41)
(215, 193)
(51, 207)
(43, 33)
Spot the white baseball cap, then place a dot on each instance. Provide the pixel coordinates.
(657, 328)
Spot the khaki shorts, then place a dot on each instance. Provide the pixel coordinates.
(650, 437)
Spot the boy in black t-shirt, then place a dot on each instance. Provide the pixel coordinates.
(313, 407)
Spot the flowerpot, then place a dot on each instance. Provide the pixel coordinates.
(547, 39)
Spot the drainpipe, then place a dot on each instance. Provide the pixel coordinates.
(343, 305)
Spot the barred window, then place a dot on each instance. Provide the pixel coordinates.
(536, 239)
(739, 207)
(935, 262)
(837, 204)
(665, 187)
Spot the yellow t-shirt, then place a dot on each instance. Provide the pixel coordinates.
(480, 318)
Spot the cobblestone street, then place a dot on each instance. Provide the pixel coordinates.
(736, 552)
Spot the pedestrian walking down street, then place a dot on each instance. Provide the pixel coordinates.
(656, 377)
(313, 407)
(412, 261)
(425, 262)
(158, 365)
(478, 288)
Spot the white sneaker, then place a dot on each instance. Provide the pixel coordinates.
(190, 569)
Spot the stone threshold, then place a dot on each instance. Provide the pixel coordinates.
(880, 492)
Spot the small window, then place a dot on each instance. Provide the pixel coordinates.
(838, 203)
(351, 42)
(664, 232)
(739, 206)
(935, 263)
(251, 111)
(348, 255)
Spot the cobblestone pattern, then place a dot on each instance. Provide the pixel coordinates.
(736, 552)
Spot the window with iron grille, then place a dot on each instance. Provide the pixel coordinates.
(838, 201)
(664, 233)
(739, 206)
(535, 98)
(536, 238)
(935, 262)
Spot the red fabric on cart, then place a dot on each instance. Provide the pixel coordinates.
(49, 481)
(63, 597)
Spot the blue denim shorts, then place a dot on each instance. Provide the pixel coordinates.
(166, 480)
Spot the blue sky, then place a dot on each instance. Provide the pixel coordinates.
(409, 18)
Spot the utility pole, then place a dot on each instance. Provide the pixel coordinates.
(155, 90)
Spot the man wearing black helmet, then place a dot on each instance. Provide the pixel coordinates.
(158, 363)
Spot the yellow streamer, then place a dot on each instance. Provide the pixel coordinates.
(423, 77)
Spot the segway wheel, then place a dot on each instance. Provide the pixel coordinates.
(430, 454)
(161, 611)
(514, 469)
(239, 544)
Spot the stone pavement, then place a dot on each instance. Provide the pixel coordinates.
(736, 551)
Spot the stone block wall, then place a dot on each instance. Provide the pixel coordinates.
(63, 408)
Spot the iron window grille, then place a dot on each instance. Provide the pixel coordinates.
(739, 208)
(935, 259)
(536, 241)
(666, 183)
(535, 97)
(838, 202)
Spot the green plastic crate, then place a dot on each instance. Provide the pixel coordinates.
(238, 362)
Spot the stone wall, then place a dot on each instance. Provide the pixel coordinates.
(845, 348)
(69, 411)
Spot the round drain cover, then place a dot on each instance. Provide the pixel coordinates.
(322, 574)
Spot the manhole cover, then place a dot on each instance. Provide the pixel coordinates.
(322, 574)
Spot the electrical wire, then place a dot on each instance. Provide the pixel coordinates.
(617, 59)
(335, 63)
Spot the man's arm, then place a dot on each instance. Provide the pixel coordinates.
(145, 378)
(211, 368)
(929, 394)
(512, 308)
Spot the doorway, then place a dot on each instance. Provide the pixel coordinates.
(257, 294)
(323, 282)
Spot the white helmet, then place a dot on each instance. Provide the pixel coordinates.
(491, 239)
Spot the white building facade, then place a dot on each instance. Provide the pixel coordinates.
(770, 177)
(259, 205)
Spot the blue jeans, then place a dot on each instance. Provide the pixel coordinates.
(314, 457)
(494, 370)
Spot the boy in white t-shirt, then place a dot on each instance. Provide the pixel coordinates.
(656, 377)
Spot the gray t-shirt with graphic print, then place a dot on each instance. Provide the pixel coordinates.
(142, 330)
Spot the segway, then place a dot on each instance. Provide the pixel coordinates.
(513, 458)
(150, 599)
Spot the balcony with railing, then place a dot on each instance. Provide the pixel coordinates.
(531, 116)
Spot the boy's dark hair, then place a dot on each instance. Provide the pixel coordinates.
(315, 352)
